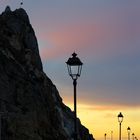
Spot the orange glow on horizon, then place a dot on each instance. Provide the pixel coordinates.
(98, 118)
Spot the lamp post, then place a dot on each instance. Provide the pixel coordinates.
(105, 136)
(111, 135)
(133, 135)
(74, 66)
(128, 130)
(120, 120)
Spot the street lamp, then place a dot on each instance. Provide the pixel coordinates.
(133, 136)
(74, 66)
(105, 136)
(128, 130)
(111, 135)
(120, 120)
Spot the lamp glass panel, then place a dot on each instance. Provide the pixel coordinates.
(128, 131)
(120, 119)
(69, 69)
(79, 70)
(74, 70)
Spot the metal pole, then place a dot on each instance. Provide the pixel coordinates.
(120, 132)
(75, 110)
(111, 135)
(128, 135)
(105, 136)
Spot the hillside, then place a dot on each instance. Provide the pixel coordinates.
(30, 105)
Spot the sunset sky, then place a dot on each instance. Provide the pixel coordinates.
(106, 36)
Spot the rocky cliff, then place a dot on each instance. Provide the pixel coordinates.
(30, 105)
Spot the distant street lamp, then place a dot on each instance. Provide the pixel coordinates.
(111, 135)
(74, 66)
(120, 120)
(133, 135)
(105, 136)
(128, 130)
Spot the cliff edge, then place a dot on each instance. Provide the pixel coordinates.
(30, 105)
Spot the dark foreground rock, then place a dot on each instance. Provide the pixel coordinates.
(30, 105)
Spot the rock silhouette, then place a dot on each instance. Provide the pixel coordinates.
(30, 105)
